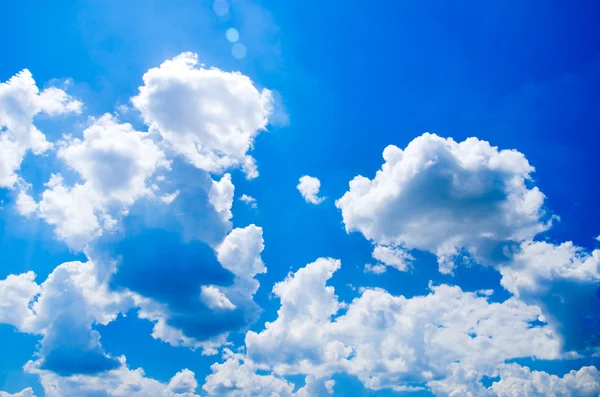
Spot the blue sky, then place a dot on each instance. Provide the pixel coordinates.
(459, 261)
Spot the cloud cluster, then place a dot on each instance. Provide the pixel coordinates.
(390, 341)
(20, 102)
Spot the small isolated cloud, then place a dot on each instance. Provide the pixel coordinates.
(395, 257)
(375, 269)
(249, 200)
(309, 188)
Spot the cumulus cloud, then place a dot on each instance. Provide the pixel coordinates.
(564, 281)
(16, 291)
(221, 196)
(208, 116)
(390, 341)
(25, 204)
(521, 381)
(516, 381)
(63, 310)
(28, 392)
(72, 212)
(118, 382)
(114, 162)
(237, 377)
(446, 197)
(395, 257)
(309, 189)
(113, 159)
(20, 101)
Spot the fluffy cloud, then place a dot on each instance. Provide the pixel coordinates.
(118, 382)
(521, 381)
(20, 101)
(209, 116)
(517, 381)
(63, 309)
(25, 204)
(309, 188)
(16, 291)
(72, 211)
(446, 197)
(221, 196)
(237, 377)
(392, 342)
(392, 256)
(114, 162)
(564, 281)
(113, 159)
(23, 393)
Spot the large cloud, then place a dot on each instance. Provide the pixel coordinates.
(208, 116)
(20, 101)
(390, 341)
(446, 197)
(117, 382)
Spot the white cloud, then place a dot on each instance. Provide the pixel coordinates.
(517, 381)
(388, 341)
(375, 269)
(237, 377)
(209, 116)
(215, 299)
(115, 163)
(113, 159)
(395, 257)
(249, 200)
(28, 392)
(562, 280)
(16, 291)
(20, 101)
(72, 211)
(521, 381)
(220, 196)
(26, 205)
(240, 252)
(119, 382)
(183, 382)
(442, 196)
(63, 309)
(309, 188)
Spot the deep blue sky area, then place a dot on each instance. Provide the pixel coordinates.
(350, 78)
